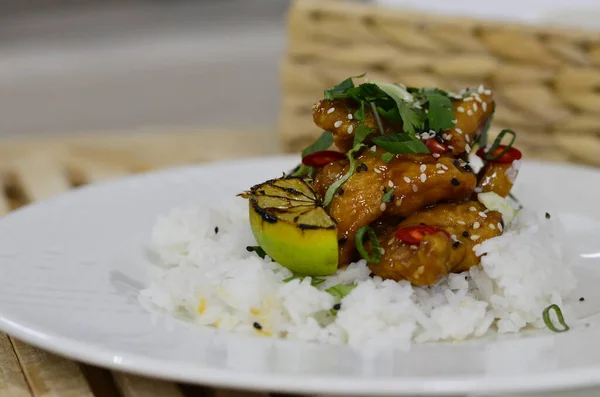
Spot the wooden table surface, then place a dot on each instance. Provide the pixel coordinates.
(36, 169)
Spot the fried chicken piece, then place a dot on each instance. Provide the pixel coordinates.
(467, 223)
(471, 114)
(418, 180)
(498, 177)
(337, 117)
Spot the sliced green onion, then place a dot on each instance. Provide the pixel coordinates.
(374, 242)
(497, 143)
(388, 196)
(337, 184)
(482, 138)
(559, 316)
(340, 291)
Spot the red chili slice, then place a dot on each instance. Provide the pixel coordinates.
(322, 158)
(511, 155)
(435, 147)
(415, 234)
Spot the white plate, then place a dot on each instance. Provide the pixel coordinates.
(71, 268)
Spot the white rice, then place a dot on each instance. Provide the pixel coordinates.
(211, 279)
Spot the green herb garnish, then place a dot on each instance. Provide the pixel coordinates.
(440, 114)
(489, 153)
(337, 184)
(388, 196)
(361, 133)
(398, 143)
(412, 120)
(322, 143)
(257, 250)
(340, 291)
(559, 316)
(314, 281)
(376, 254)
(387, 157)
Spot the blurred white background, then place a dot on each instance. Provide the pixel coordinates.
(101, 65)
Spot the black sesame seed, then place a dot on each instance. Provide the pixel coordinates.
(581, 299)
(362, 167)
(337, 306)
(249, 249)
(468, 168)
(456, 244)
(257, 326)
(216, 229)
(548, 216)
(466, 278)
(465, 234)
(439, 139)
(343, 240)
(456, 163)
(422, 224)
(340, 191)
(455, 182)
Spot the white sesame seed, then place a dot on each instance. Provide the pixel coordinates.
(467, 148)
(350, 129)
(468, 99)
(350, 116)
(480, 89)
(436, 155)
(423, 177)
(377, 170)
(450, 147)
(382, 251)
(476, 225)
(453, 237)
(382, 207)
(475, 237)
(441, 172)
(438, 165)
(475, 107)
(461, 222)
(469, 112)
(331, 110)
(414, 247)
(446, 137)
(484, 106)
(373, 148)
(398, 202)
(500, 226)
(415, 188)
(444, 167)
(492, 226)
(478, 99)
(391, 241)
(423, 167)
(455, 121)
(390, 184)
(487, 92)
(472, 209)
(458, 130)
(482, 214)
(337, 124)
(406, 179)
(460, 109)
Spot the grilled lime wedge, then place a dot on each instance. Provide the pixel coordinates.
(292, 228)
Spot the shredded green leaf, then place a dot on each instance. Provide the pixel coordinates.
(337, 184)
(303, 170)
(374, 242)
(361, 133)
(488, 154)
(411, 120)
(387, 157)
(360, 113)
(340, 291)
(339, 89)
(257, 250)
(559, 316)
(388, 196)
(322, 143)
(400, 143)
(440, 113)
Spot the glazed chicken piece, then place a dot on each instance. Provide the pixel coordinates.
(336, 116)
(417, 180)
(466, 224)
(498, 177)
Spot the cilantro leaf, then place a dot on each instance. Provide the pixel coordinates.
(411, 119)
(361, 133)
(387, 157)
(339, 291)
(257, 249)
(342, 89)
(322, 143)
(400, 143)
(440, 113)
(388, 196)
(360, 113)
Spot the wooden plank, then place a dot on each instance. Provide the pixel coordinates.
(136, 386)
(12, 380)
(49, 375)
